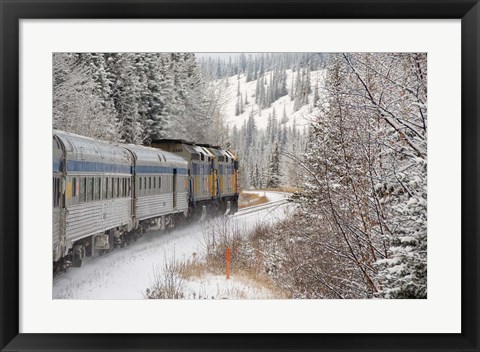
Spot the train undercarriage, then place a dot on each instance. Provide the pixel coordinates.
(99, 244)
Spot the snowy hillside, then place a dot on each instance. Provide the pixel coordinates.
(261, 115)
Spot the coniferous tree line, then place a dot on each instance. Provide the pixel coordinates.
(134, 97)
(254, 65)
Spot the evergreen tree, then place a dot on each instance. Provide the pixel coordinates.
(297, 101)
(284, 116)
(292, 88)
(127, 97)
(251, 130)
(315, 95)
(237, 107)
(274, 169)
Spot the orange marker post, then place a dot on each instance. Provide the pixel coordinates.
(228, 263)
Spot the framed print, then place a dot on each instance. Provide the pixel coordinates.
(239, 176)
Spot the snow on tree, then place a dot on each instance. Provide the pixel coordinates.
(366, 175)
(78, 99)
(284, 115)
(274, 169)
(133, 97)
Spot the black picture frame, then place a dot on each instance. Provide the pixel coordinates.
(12, 11)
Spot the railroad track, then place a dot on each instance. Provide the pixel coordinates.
(255, 208)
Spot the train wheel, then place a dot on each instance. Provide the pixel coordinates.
(78, 254)
(77, 261)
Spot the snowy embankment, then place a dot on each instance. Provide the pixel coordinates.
(127, 273)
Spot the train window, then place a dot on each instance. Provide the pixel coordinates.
(140, 184)
(145, 183)
(74, 187)
(118, 187)
(105, 188)
(89, 188)
(154, 182)
(149, 183)
(110, 189)
(160, 183)
(98, 186)
(82, 189)
(124, 187)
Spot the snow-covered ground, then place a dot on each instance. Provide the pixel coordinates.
(126, 273)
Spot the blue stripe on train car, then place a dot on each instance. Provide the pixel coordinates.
(144, 169)
(91, 166)
(141, 169)
(57, 165)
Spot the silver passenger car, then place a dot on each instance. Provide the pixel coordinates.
(95, 191)
(161, 186)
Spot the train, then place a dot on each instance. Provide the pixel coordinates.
(106, 195)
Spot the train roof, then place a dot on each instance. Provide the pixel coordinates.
(85, 148)
(170, 141)
(155, 157)
(205, 151)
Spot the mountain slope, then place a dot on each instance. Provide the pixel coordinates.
(261, 115)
